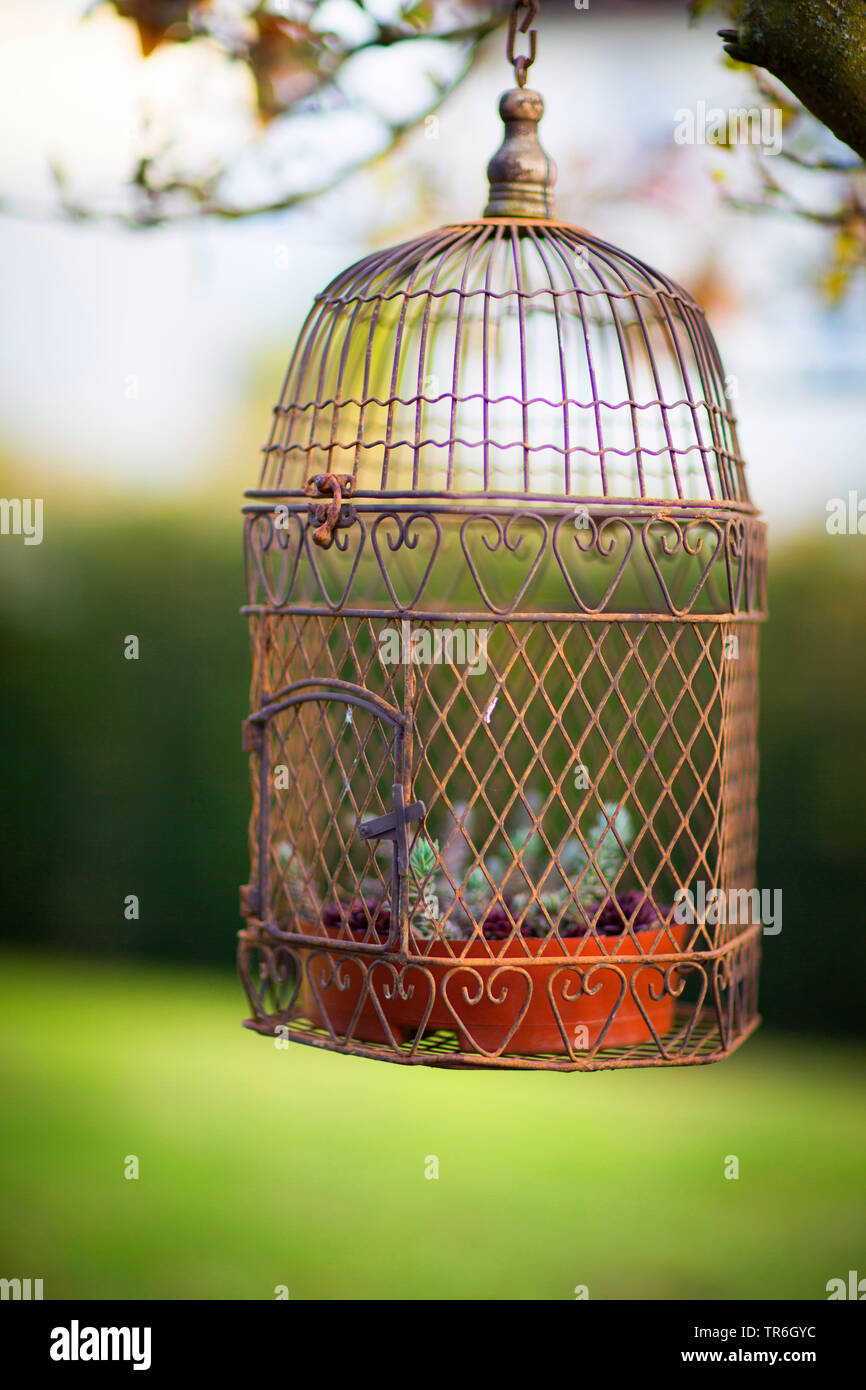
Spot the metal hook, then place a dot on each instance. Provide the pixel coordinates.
(338, 486)
(522, 62)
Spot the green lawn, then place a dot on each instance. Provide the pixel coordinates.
(261, 1167)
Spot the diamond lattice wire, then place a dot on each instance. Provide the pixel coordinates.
(343, 764)
(330, 765)
(568, 725)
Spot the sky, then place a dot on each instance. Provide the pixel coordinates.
(131, 360)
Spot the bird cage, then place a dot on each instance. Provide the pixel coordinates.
(504, 581)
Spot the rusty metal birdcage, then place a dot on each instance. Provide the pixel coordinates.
(504, 581)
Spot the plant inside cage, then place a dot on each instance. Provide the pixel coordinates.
(577, 897)
(582, 912)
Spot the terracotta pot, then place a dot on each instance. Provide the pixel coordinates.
(521, 1000)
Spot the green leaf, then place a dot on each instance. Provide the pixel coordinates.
(423, 856)
(608, 843)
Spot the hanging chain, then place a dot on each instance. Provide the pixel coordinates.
(522, 62)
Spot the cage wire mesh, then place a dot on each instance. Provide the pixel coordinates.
(504, 580)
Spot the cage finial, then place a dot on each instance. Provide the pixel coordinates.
(521, 174)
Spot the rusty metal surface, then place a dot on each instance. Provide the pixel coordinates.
(329, 517)
(521, 360)
(521, 175)
(520, 23)
(542, 459)
(721, 1017)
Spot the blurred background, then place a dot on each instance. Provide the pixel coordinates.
(139, 368)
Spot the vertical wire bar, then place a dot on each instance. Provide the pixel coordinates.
(517, 259)
(474, 250)
(562, 245)
(493, 254)
(600, 259)
(681, 320)
(539, 241)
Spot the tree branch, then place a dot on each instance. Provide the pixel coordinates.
(817, 48)
(158, 200)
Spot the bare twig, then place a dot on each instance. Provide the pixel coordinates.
(156, 198)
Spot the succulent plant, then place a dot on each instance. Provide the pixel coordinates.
(578, 889)
(423, 857)
(617, 912)
(477, 890)
(359, 915)
(333, 915)
(424, 907)
(609, 837)
(498, 924)
(296, 885)
(369, 912)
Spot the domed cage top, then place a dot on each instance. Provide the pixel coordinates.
(504, 579)
(510, 360)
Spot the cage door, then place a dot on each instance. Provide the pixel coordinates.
(331, 816)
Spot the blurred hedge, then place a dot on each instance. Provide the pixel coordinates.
(128, 776)
(125, 776)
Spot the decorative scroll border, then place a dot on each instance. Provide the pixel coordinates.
(404, 1001)
(732, 546)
